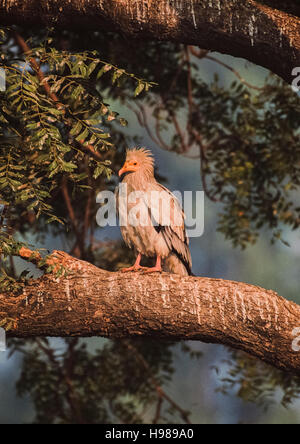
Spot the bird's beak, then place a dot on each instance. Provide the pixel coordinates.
(126, 168)
(123, 170)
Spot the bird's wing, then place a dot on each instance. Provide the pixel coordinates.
(121, 213)
(168, 220)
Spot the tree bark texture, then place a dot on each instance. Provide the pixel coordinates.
(89, 301)
(258, 32)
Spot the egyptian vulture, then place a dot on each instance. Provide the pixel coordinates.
(151, 218)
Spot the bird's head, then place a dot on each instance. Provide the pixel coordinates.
(138, 160)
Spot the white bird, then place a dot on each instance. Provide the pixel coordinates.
(154, 220)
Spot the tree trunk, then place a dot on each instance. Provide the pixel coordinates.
(93, 302)
(258, 32)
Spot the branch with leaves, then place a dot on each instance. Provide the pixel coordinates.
(52, 118)
(87, 301)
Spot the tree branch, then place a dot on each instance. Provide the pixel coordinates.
(92, 302)
(258, 32)
(41, 76)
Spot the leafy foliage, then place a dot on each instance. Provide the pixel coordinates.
(108, 385)
(52, 115)
(246, 137)
(257, 382)
(254, 158)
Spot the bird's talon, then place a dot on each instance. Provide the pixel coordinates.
(153, 270)
(132, 269)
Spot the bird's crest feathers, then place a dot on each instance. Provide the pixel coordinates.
(143, 156)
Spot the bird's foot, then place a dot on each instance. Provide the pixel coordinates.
(155, 269)
(133, 268)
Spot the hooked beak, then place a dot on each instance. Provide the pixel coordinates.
(122, 171)
(127, 168)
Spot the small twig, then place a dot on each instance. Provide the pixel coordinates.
(146, 125)
(158, 410)
(236, 73)
(185, 146)
(203, 54)
(36, 68)
(202, 150)
(71, 398)
(91, 150)
(12, 267)
(68, 375)
(225, 65)
(162, 143)
(3, 214)
(200, 54)
(160, 392)
(88, 207)
(177, 74)
(189, 81)
(73, 219)
(65, 193)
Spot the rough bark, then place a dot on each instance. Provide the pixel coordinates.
(92, 302)
(258, 32)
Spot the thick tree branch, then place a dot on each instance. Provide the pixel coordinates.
(250, 29)
(93, 302)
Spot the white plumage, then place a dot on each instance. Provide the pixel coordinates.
(152, 216)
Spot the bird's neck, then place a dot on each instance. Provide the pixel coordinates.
(138, 182)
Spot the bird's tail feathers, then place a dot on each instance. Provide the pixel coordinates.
(173, 264)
